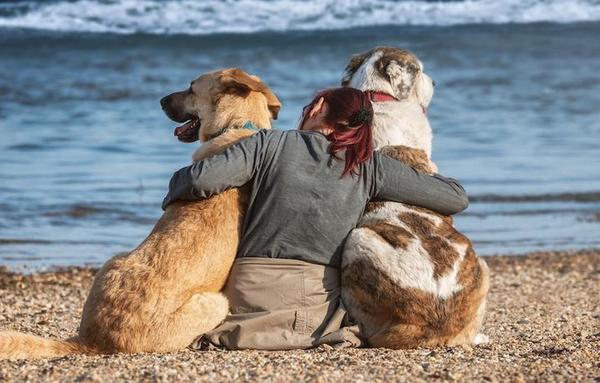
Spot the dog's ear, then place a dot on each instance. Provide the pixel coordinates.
(239, 81)
(355, 62)
(401, 74)
(273, 102)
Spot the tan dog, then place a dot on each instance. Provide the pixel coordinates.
(165, 293)
(408, 276)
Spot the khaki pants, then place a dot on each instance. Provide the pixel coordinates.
(282, 304)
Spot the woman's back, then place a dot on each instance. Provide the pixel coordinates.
(300, 207)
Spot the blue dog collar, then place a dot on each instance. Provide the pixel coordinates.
(248, 125)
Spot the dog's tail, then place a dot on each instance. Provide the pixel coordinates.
(16, 345)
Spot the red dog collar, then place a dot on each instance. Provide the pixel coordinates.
(378, 96)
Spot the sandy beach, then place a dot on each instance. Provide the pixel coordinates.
(543, 321)
(87, 154)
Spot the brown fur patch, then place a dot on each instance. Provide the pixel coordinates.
(416, 158)
(374, 205)
(402, 57)
(442, 254)
(394, 235)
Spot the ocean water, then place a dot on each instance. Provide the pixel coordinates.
(86, 153)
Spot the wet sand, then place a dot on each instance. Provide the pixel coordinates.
(543, 320)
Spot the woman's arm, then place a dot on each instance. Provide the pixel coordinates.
(396, 181)
(232, 168)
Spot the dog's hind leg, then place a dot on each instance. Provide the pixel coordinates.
(200, 314)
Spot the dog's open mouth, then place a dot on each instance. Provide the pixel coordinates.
(188, 132)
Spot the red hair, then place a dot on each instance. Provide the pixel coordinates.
(350, 115)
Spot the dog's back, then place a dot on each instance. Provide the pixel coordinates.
(408, 276)
(411, 279)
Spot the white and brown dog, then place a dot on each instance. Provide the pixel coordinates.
(408, 276)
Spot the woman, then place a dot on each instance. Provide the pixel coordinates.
(309, 188)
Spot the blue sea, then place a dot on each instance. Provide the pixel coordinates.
(86, 153)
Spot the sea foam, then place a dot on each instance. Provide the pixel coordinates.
(248, 16)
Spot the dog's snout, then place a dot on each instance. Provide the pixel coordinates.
(164, 101)
(433, 83)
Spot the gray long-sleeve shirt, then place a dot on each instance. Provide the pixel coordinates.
(299, 207)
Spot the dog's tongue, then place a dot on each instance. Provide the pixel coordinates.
(188, 132)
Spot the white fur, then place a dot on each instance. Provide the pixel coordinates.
(448, 284)
(392, 209)
(397, 122)
(401, 123)
(409, 268)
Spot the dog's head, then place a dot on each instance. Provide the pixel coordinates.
(218, 100)
(395, 71)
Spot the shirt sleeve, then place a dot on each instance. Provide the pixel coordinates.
(398, 182)
(233, 168)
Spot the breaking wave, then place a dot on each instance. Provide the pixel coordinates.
(249, 16)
